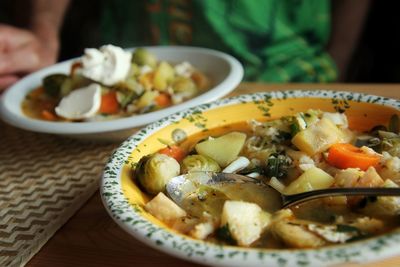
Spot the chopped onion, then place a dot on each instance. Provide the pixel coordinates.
(277, 185)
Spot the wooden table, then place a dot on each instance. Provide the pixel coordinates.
(91, 238)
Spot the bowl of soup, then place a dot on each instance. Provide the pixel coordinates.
(109, 92)
(294, 141)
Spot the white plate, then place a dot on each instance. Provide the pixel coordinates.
(224, 71)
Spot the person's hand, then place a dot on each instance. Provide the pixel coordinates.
(22, 52)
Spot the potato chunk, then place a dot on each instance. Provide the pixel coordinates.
(383, 206)
(244, 220)
(291, 232)
(223, 149)
(164, 209)
(318, 137)
(163, 75)
(312, 179)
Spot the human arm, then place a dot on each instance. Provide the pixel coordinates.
(26, 50)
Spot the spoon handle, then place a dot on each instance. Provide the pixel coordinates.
(289, 200)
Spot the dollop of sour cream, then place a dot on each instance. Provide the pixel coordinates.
(81, 103)
(108, 65)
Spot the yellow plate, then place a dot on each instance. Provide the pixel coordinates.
(124, 199)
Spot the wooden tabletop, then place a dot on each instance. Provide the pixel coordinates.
(91, 238)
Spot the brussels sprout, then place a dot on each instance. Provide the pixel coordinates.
(52, 84)
(78, 80)
(134, 70)
(74, 82)
(154, 171)
(66, 87)
(142, 57)
(195, 163)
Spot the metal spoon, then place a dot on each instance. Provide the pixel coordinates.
(181, 186)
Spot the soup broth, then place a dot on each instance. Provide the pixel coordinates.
(292, 154)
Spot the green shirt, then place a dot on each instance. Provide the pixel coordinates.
(276, 40)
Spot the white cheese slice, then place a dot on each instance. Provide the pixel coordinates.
(80, 103)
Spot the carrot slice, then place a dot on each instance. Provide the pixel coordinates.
(109, 103)
(163, 100)
(345, 156)
(48, 115)
(174, 152)
(74, 67)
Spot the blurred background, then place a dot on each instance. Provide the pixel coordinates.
(376, 58)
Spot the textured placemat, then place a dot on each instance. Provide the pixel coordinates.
(44, 179)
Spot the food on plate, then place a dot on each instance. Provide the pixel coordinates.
(293, 154)
(109, 83)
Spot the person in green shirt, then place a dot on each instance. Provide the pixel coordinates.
(276, 40)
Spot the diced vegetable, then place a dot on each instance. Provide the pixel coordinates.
(292, 233)
(125, 98)
(174, 152)
(383, 206)
(345, 156)
(277, 185)
(141, 82)
(223, 149)
(193, 163)
(348, 177)
(147, 99)
(48, 115)
(109, 103)
(277, 165)
(154, 171)
(146, 80)
(304, 120)
(318, 137)
(200, 80)
(370, 178)
(237, 165)
(163, 100)
(163, 75)
(312, 179)
(202, 230)
(391, 145)
(66, 87)
(142, 57)
(164, 209)
(243, 219)
(52, 84)
(339, 119)
(185, 87)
